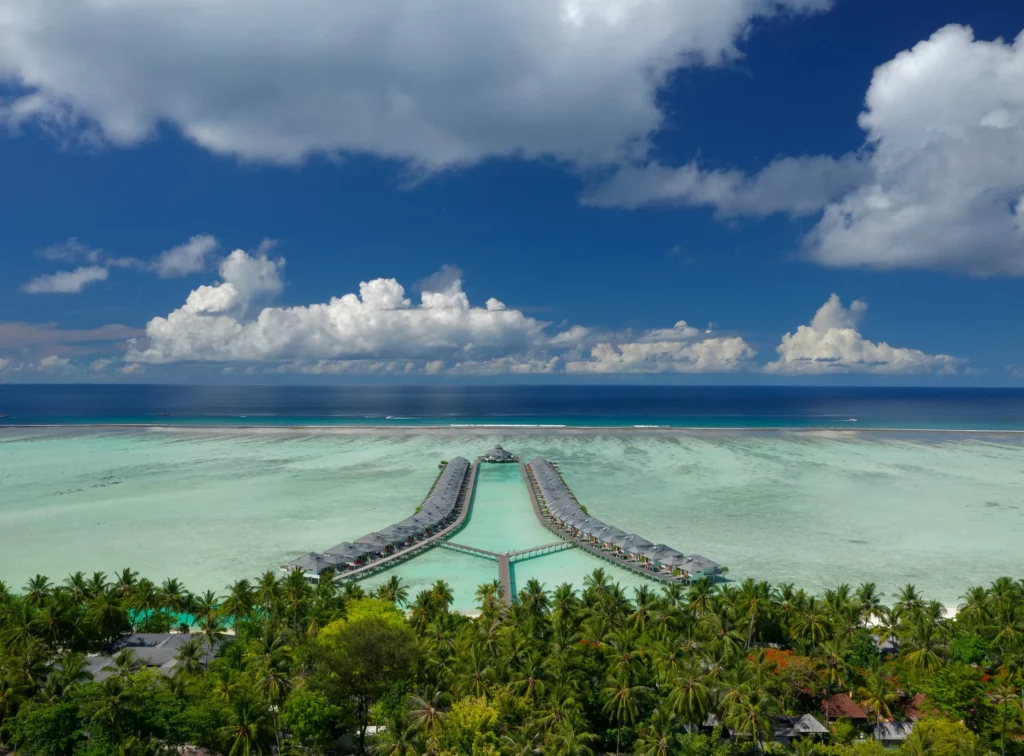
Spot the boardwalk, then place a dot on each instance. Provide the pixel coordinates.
(505, 579)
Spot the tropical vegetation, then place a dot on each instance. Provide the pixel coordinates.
(282, 666)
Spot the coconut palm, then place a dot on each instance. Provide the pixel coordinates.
(248, 732)
(878, 693)
(622, 701)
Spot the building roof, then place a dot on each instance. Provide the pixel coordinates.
(154, 650)
(498, 453)
(917, 707)
(843, 706)
(892, 730)
(800, 726)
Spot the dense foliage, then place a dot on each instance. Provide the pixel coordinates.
(559, 672)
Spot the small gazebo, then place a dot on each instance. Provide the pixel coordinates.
(498, 454)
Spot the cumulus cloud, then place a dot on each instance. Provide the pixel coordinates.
(186, 258)
(4, 362)
(100, 365)
(54, 362)
(681, 349)
(435, 84)
(937, 183)
(66, 281)
(220, 322)
(945, 123)
(795, 185)
(382, 330)
(832, 344)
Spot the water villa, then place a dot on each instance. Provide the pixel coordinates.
(438, 513)
(447, 505)
(632, 550)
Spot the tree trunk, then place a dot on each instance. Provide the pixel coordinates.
(277, 733)
(618, 738)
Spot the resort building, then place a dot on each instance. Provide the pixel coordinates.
(565, 511)
(436, 511)
(157, 651)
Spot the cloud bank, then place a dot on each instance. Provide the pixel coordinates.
(381, 329)
(938, 183)
(434, 84)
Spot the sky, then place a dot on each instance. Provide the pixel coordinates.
(744, 191)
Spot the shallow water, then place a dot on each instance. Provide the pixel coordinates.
(944, 511)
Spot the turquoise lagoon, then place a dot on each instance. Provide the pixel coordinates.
(942, 510)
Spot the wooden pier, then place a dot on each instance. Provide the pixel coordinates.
(505, 579)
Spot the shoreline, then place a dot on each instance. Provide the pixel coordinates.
(515, 427)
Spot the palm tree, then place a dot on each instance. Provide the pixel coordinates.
(249, 732)
(399, 738)
(832, 660)
(239, 602)
(442, 594)
(878, 694)
(921, 643)
(690, 696)
(658, 737)
(869, 601)
(622, 702)
(394, 590)
(752, 713)
(811, 624)
(190, 657)
(570, 738)
(427, 716)
(38, 589)
(1008, 705)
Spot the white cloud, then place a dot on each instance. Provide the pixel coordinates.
(65, 281)
(945, 121)
(186, 258)
(223, 323)
(937, 185)
(133, 369)
(4, 362)
(512, 365)
(796, 185)
(832, 344)
(54, 362)
(681, 349)
(435, 84)
(381, 330)
(70, 250)
(100, 365)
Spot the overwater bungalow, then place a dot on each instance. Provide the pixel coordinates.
(563, 508)
(436, 510)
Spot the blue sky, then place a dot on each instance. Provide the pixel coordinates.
(644, 190)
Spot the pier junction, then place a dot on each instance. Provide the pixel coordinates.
(448, 505)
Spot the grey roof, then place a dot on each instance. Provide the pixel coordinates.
(156, 650)
(892, 730)
(499, 453)
(439, 505)
(806, 725)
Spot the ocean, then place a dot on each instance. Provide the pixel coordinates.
(215, 484)
(574, 406)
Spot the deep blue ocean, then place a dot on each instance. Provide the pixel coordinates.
(572, 406)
